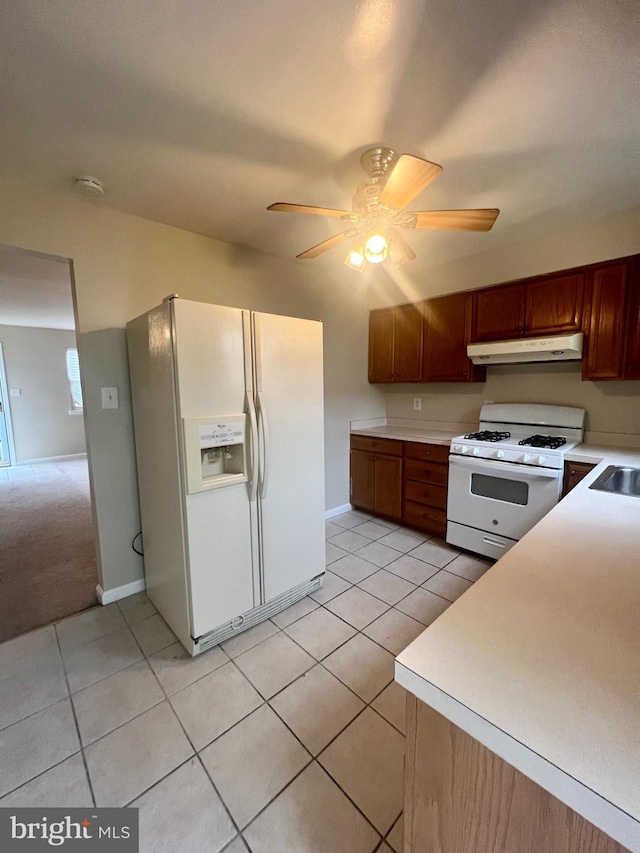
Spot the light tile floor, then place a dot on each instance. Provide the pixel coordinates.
(288, 738)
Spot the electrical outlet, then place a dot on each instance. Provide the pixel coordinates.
(417, 404)
(110, 398)
(15, 392)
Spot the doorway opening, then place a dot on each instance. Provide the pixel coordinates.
(48, 566)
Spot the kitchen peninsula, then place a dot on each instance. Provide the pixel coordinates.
(524, 696)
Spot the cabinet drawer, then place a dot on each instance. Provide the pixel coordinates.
(426, 452)
(426, 472)
(377, 445)
(421, 493)
(425, 517)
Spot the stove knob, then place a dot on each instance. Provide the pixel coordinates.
(476, 451)
(526, 457)
(465, 449)
(456, 448)
(542, 460)
(500, 454)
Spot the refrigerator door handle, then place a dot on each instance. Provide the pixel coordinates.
(264, 455)
(253, 421)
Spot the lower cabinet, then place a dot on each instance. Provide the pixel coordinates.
(573, 473)
(426, 471)
(403, 480)
(376, 476)
(460, 796)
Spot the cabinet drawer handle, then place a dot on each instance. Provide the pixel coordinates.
(426, 453)
(374, 444)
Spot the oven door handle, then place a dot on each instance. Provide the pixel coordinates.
(522, 471)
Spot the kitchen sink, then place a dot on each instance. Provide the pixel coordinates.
(620, 480)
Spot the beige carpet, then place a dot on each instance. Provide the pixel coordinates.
(47, 550)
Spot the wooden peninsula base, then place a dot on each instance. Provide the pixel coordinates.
(462, 798)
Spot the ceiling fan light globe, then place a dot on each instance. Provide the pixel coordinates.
(376, 248)
(356, 260)
(376, 244)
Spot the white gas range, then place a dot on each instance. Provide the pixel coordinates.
(504, 478)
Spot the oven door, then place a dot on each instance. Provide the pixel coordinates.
(500, 497)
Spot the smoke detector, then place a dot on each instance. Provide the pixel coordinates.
(89, 187)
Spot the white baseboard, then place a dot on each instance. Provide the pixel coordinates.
(66, 458)
(108, 596)
(337, 510)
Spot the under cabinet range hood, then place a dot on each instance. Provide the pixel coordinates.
(523, 350)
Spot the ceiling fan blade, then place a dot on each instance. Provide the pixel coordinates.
(408, 177)
(314, 251)
(456, 220)
(303, 208)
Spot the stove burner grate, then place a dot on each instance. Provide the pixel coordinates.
(488, 435)
(550, 441)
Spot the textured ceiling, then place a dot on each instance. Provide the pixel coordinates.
(200, 113)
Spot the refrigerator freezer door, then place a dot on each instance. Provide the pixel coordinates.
(289, 396)
(221, 539)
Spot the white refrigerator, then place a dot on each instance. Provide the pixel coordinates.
(229, 431)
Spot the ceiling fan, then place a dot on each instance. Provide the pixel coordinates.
(378, 211)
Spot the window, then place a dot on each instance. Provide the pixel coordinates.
(73, 375)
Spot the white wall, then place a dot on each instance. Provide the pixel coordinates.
(123, 265)
(35, 362)
(613, 408)
(585, 243)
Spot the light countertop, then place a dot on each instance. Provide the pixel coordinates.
(425, 435)
(540, 659)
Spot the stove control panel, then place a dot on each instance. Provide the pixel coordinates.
(512, 454)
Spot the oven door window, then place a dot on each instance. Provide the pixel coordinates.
(500, 489)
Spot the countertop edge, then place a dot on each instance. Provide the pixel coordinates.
(602, 813)
(422, 436)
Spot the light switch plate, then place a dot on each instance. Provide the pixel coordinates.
(15, 392)
(110, 398)
(417, 404)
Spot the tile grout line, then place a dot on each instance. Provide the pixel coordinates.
(195, 755)
(317, 661)
(75, 720)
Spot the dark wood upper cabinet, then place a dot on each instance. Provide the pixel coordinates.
(381, 345)
(607, 289)
(395, 344)
(408, 332)
(603, 300)
(553, 305)
(499, 313)
(631, 369)
(447, 331)
(548, 305)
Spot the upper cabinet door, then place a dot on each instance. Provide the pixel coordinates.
(447, 323)
(395, 344)
(499, 313)
(606, 298)
(632, 353)
(407, 343)
(554, 305)
(381, 345)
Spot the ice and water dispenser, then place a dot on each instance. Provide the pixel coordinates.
(215, 452)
